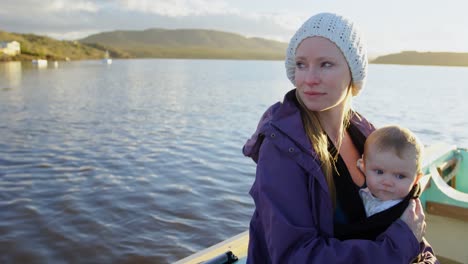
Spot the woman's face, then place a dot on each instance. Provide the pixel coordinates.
(322, 74)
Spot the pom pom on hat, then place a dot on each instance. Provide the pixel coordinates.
(339, 30)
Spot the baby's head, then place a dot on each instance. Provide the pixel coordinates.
(391, 162)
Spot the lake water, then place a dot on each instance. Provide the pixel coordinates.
(140, 161)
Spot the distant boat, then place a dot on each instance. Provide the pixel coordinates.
(39, 63)
(107, 59)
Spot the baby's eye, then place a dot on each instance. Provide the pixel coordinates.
(400, 176)
(326, 64)
(380, 172)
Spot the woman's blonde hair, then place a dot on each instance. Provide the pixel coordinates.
(319, 139)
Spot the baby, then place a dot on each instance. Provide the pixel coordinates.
(392, 165)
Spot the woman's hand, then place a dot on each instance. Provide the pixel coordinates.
(413, 216)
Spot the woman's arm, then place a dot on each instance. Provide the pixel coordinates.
(291, 220)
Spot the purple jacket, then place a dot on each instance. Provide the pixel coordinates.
(293, 219)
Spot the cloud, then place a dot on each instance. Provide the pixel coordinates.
(52, 18)
(74, 19)
(283, 20)
(37, 8)
(70, 6)
(174, 8)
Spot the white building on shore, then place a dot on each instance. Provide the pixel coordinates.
(10, 48)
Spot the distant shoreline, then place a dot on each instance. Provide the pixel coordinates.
(424, 58)
(187, 44)
(375, 61)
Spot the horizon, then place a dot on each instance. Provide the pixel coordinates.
(370, 56)
(387, 27)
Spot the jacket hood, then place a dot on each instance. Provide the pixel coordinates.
(282, 116)
(252, 146)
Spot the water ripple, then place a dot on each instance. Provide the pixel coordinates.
(141, 162)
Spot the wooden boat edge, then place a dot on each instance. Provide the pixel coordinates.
(237, 244)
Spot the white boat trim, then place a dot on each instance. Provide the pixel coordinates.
(237, 244)
(446, 189)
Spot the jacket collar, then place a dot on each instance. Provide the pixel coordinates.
(288, 120)
(286, 117)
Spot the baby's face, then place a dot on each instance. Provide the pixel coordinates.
(389, 177)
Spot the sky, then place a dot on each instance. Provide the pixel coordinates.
(388, 26)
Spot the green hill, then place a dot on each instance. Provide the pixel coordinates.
(189, 43)
(424, 58)
(34, 47)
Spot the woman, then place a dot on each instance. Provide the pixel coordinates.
(306, 149)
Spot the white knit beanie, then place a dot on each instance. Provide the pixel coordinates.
(341, 31)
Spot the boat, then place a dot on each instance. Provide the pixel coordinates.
(107, 59)
(39, 63)
(444, 198)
